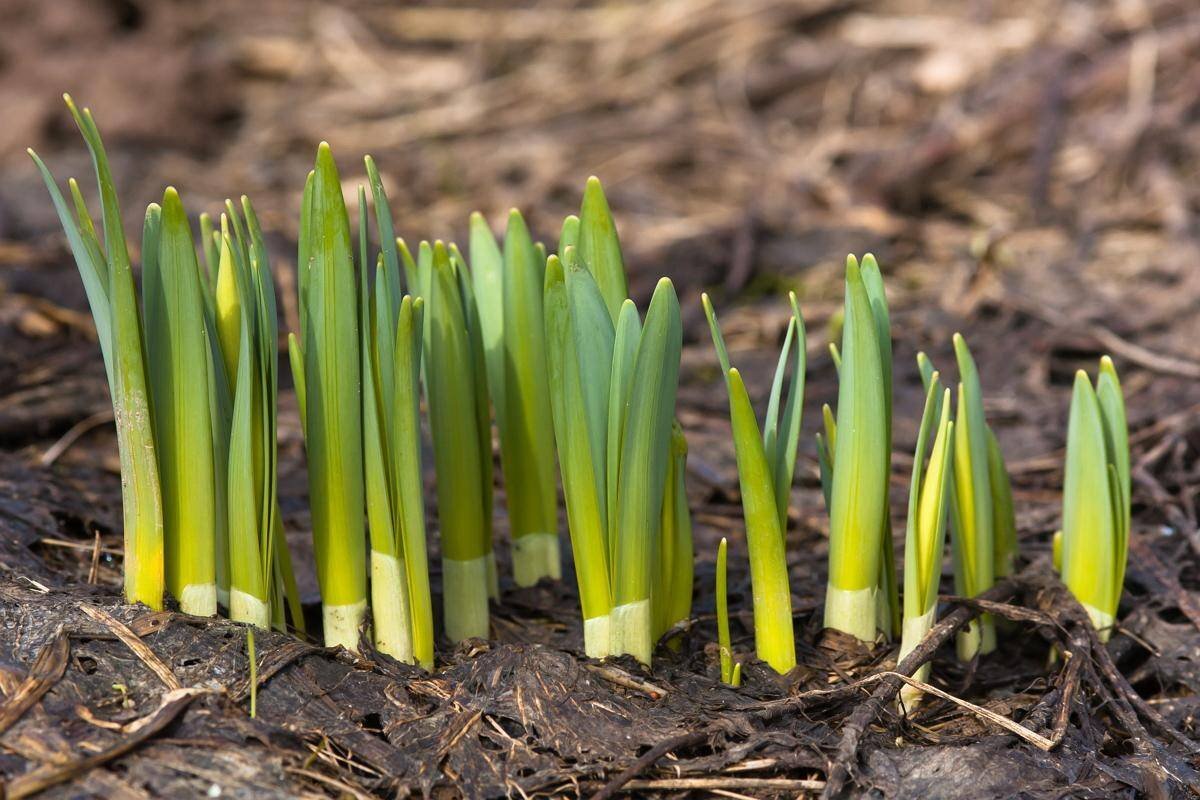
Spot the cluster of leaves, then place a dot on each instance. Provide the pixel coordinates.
(551, 347)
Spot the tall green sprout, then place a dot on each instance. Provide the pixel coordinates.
(1096, 496)
(456, 389)
(178, 358)
(1004, 521)
(766, 463)
(860, 450)
(613, 396)
(326, 366)
(925, 535)
(973, 540)
(508, 289)
(108, 282)
(391, 367)
(239, 296)
(676, 556)
(248, 327)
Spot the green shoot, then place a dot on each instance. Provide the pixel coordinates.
(645, 452)
(328, 384)
(579, 370)
(1096, 496)
(730, 672)
(612, 390)
(925, 536)
(508, 288)
(676, 558)
(456, 389)
(1004, 519)
(887, 608)
(859, 484)
(246, 320)
(766, 461)
(391, 345)
(178, 359)
(108, 282)
(974, 550)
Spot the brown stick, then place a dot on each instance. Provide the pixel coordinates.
(647, 760)
(888, 687)
(131, 640)
(47, 668)
(42, 778)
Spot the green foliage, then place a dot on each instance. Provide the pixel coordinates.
(1096, 496)
(390, 349)
(108, 282)
(612, 391)
(766, 461)
(731, 672)
(508, 286)
(328, 378)
(861, 455)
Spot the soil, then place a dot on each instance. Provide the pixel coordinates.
(1026, 173)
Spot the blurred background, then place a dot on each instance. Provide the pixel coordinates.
(1026, 171)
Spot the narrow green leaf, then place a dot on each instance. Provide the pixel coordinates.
(487, 276)
(580, 450)
(88, 258)
(1004, 521)
(600, 248)
(974, 538)
(333, 413)
(773, 634)
(653, 381)
(1116, 429)
(625, 345)
(860, 469)
(1089, 532)
(527, 443)
(714, 328)
(453, 416)
(722, 599)
(406, 471)
(178, 354)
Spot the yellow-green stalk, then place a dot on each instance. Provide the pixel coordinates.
(401, 606)
(612, 391)
(252, 496)
(1096, 496)
(971, 508)
(766, 463)
(509, 292)
(108, 282)
(237, 285)
(325, 361)
(456, 389)
(731, 672)
(675, 562)
(1004, 519)
(887, 607)
(645, 451)
(178, 358)
(579, 349)
(925, 535)
(859, 484)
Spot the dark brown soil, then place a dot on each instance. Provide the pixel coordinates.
(1027, 173)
